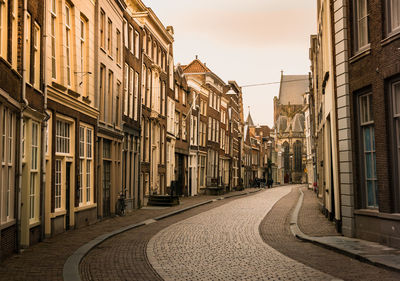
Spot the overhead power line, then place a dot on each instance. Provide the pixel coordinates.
(270, 83)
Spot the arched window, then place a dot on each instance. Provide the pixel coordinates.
(297, 147)
(286, 157)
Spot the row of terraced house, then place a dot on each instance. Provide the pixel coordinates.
(91, 105)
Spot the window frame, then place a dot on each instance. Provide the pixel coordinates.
(362, 167)
(390, 30)
(356, 27)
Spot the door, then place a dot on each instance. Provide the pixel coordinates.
(67, 194)
(106, 188)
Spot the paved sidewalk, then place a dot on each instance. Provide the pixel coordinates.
(45, 260)
(366, 251)
(275, 231)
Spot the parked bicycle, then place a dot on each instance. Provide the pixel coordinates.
(121, 205)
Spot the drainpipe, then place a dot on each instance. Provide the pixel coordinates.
(24, 106)
(140, 185)
(44, 128)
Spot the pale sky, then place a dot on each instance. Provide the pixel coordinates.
(247, 41)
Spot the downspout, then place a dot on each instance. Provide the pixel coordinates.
(24, 106)
(44, 128)
(140, 182)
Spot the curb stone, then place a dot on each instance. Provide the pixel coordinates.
(334, 241)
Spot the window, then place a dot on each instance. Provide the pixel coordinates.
(62, 137)
(68, 44)
(34, 171)
(176, 93)
(116, 114)
(84, 55)
(14, 32)
(137, 47)
(53, 29)
(7, 169)
(163, 88)
(162, 142)
(3, 24)
(184, 133)
(125, 34)
(148, 88)
(209, 128)
(102, 29)
(136, 96)
(36, 55)
(102, 90)
(297, 148)
(131, 92)
(176, 130)
(367, 150)
(109, 37)
(147, 151)
(126, 79)
(395, 100)
(183, 97)
(361, 24)
(28, 47)
(108, 98)
(393, 15)
(143, 90)
(58, 184)
(131, 46)
(85, 164)
(118, 47)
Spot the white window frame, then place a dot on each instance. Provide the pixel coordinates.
(53, 35)
(126, 82)
(68, 36)
(34, 174)
(137, 48)
(136, 97)
(28, 35)
(36, 55)
(131, 77)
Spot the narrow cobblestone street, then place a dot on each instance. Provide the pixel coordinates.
(247, 238)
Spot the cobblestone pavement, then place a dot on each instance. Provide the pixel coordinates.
(123, 257)
(45, 260)
(311, 220)
(225, 244)
(275, 232)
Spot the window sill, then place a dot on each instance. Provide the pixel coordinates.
(7, 224)
(390, 38)
(85, 207)
(361, 54)
(377, 214)
(34, 223)
(58, 213)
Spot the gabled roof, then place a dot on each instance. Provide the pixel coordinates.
(292, 89)
(196, 66)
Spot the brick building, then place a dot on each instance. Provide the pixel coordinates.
(131, 106)
(180, 131)
(374, 91)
